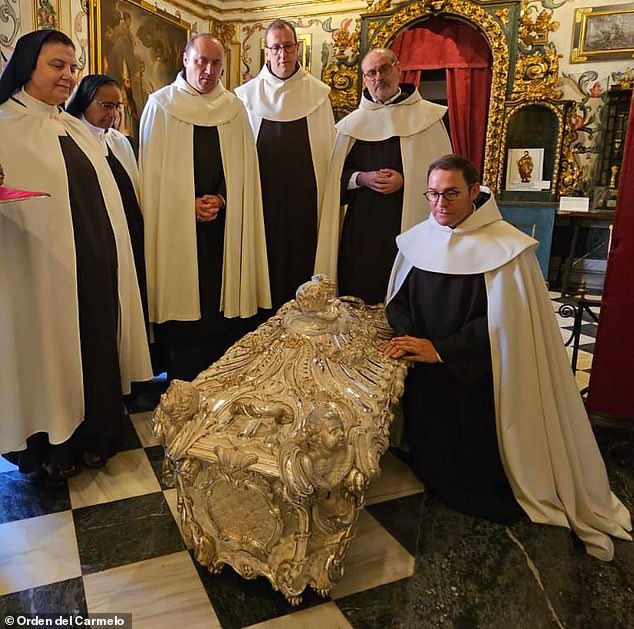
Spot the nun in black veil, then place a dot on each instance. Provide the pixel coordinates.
(71, 321)
(97, 102)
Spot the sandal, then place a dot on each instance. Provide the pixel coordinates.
(58, 474)
(93, 460)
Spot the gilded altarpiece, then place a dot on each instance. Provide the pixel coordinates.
(525, 68)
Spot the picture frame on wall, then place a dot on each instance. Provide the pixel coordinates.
(304, 54)
(46, 14)
(603, 33)
(139, 45)
(525, 169)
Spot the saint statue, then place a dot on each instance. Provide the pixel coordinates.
(525, 166)
(13, 194)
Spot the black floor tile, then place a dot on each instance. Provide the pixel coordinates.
(125, 531)
(583, 591)
(390, 605)
(130, 438)
(589, 329)
(65, 597)
(31, 495)
(240, 602)
(401, 518)
(156, 455)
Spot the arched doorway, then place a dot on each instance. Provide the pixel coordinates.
(454, 53)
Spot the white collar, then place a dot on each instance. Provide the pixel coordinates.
(98, 131)
(24, 98)
(390, 100)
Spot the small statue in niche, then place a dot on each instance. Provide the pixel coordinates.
(525, 167)
(615, 171)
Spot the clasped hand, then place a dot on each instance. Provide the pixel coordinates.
(384, 181)
(207, 207)
(411, 348)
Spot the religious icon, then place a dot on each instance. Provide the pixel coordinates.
(14, 194)
(525, 167)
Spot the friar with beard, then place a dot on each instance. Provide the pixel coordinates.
(380, 151)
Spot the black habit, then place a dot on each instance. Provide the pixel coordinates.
(191, 346)
(289, 198)
(134, 218)
(449, 406)
(373, 220)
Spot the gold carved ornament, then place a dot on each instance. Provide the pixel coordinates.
(224, 31)
(569, 169)
(342, 74)
(378, 6)
(535, 32)
(537, 76)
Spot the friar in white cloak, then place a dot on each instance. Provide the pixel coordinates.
(71, 320)
(97, 103)
(494, 419)
(204, 230)
(380, 151)
(292, 121)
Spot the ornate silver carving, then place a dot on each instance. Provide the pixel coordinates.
(272, 448)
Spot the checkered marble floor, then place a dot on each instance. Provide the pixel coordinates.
(108, 540)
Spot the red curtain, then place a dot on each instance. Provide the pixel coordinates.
(462, 51)
(411, 76)
(612, 375)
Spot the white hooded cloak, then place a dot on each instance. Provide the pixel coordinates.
(41, 387)
(285, 100)
(167, 198)
(423, 138)
(546, 444)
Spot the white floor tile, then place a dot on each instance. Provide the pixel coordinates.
(38, 551)
(374, 558)
(326, 616)
(161, 592)
(396, 481)
(127, 474)
(143, 426)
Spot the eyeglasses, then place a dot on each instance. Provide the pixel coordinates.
(108, 106)
(384, 69)
(277, 48)
(452, 194)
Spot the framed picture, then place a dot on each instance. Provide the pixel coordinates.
(140, 46)
(46, 14)
(304, 55)
(525, 169)
(603, 33)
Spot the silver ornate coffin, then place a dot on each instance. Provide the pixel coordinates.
(272, 448)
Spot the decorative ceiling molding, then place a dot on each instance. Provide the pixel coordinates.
(243, 11)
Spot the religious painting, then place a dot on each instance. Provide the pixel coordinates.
(46, 14)
(304, 54)
(140, 46)
(525, 169)
(603, 33)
